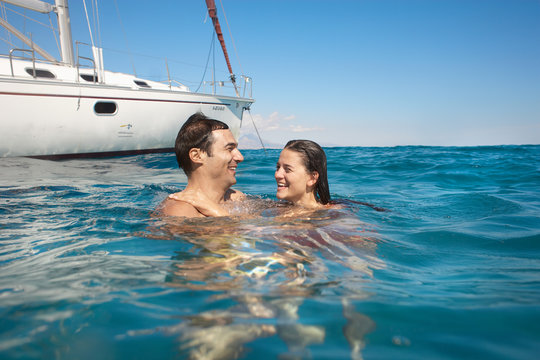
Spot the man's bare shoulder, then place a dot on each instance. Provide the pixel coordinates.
(172, 207)
(234, 195)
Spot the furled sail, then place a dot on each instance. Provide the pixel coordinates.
(212, 12)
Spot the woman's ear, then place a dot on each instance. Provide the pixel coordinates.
(314, 176)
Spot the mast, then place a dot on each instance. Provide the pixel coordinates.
(212, 12)
(64, 30)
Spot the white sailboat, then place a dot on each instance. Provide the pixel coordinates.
(53, 108)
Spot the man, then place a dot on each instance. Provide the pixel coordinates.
(208, 153)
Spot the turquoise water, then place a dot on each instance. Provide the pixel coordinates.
(451, 269)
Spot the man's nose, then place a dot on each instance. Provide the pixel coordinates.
(238, 157)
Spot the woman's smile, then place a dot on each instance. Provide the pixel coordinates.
(293, 180)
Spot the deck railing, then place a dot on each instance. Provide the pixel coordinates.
(79, 57)
(244, 86)
(23, 51)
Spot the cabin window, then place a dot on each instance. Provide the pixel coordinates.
(141, 83)
(40, 73)
(89, 78)
(105, 108)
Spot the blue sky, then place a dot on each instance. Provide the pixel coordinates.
(359, 73)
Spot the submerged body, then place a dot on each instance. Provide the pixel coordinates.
(263, 247)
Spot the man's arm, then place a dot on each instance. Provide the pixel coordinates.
(173, 207)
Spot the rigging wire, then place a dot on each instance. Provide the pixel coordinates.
(88, 22)
(4, 16)
(241, 71)
(208, 58)
(24, 29)
(98, 25)
(26, 17)
(256, 130)
(185, 81)
(232, 39)
(49, 26)
(125, 37)
(54, 34)
(7, 42)
(214, 70)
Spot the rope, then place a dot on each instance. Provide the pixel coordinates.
(232, 39)
(54, 34)
(207, 59)
(7, 42)
(214, 70)
(125, 37)
(4, 16)
(88, 22)
(98, 26)
(170, 61)
(257, 131)
(49, 26)
(24, 28)
(28, 18)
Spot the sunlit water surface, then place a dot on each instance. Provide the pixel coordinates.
(433, 253)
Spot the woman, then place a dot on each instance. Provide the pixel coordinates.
(301, 175)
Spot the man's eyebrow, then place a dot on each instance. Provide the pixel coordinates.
(235, 144)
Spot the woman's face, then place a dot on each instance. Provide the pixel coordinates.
(294, 182)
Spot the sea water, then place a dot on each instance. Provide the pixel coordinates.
(431, 253)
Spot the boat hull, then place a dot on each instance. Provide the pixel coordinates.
(51, 118)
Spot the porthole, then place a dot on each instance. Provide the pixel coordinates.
(89, 78)
(40, 73)
(141, 83)
(105, 108)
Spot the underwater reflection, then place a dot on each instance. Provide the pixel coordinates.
(268, 261)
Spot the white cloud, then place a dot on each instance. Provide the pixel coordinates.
(276, 122)
(276, 129)
(300, 128)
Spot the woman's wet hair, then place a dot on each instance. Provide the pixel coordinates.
(195, 133)
(314, 159)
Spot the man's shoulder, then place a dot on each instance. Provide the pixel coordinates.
(173, 207)
(234, 195)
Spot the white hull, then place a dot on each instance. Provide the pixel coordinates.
(57, 117)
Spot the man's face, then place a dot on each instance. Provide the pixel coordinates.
(225, 158)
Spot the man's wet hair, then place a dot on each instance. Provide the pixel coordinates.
(195, 133)
(314, 159)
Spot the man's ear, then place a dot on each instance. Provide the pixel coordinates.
(196, 155)
(313, 178)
